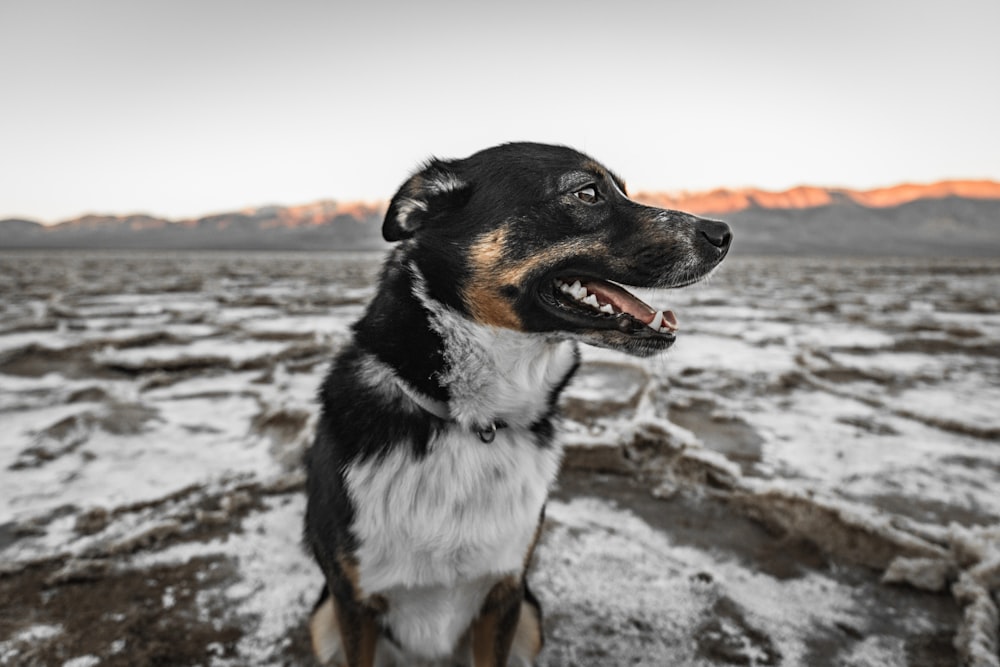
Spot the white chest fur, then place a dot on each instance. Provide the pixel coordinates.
(495, 373)
(436, 532)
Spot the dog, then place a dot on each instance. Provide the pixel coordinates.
(435, 448)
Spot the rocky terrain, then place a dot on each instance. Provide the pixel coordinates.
(808, 478)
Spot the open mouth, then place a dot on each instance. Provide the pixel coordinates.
(601, 304)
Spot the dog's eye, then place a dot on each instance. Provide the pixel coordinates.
(587, 195)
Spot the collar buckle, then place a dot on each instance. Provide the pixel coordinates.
(488, 434)
(440, 410)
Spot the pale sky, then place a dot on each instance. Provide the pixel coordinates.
(185, 107)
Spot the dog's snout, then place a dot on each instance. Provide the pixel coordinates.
(717, 233)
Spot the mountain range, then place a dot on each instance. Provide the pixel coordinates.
(949, 218)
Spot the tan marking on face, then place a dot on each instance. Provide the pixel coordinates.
(595, 167)
(491, 270)
(481, 296)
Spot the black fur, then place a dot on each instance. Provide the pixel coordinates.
(395, 329)
(555, 214)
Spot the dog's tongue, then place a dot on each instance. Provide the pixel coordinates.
(627, 303)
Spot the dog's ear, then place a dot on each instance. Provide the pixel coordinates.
(431, 192)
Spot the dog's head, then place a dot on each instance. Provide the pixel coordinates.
(542, 238)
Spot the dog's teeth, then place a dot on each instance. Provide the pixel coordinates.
(656, 324)
(581, 294)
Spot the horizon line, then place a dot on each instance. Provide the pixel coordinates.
(665, 195)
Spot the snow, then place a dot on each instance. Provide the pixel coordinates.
(235, 352)
(83, 661)
(306, 324)
(711, 352)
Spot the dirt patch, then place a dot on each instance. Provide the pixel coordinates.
(935, 346)
(718, 430)
(140, 617)
(73, 362)
(729, 638)
(88, 395)
(603, 391)
(70, 433)
(62, 438)
(868, 424)
(282, 426)
(702, 522)
(926, 509)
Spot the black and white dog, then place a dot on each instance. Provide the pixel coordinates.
(434, 453)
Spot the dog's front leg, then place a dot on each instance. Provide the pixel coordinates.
(494, 628)
(358, 632)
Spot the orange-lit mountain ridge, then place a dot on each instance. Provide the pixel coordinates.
(724, 201)
(950, 218)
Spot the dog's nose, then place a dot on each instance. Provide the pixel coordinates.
(717, 233)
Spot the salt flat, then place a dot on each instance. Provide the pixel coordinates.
(808, 478)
